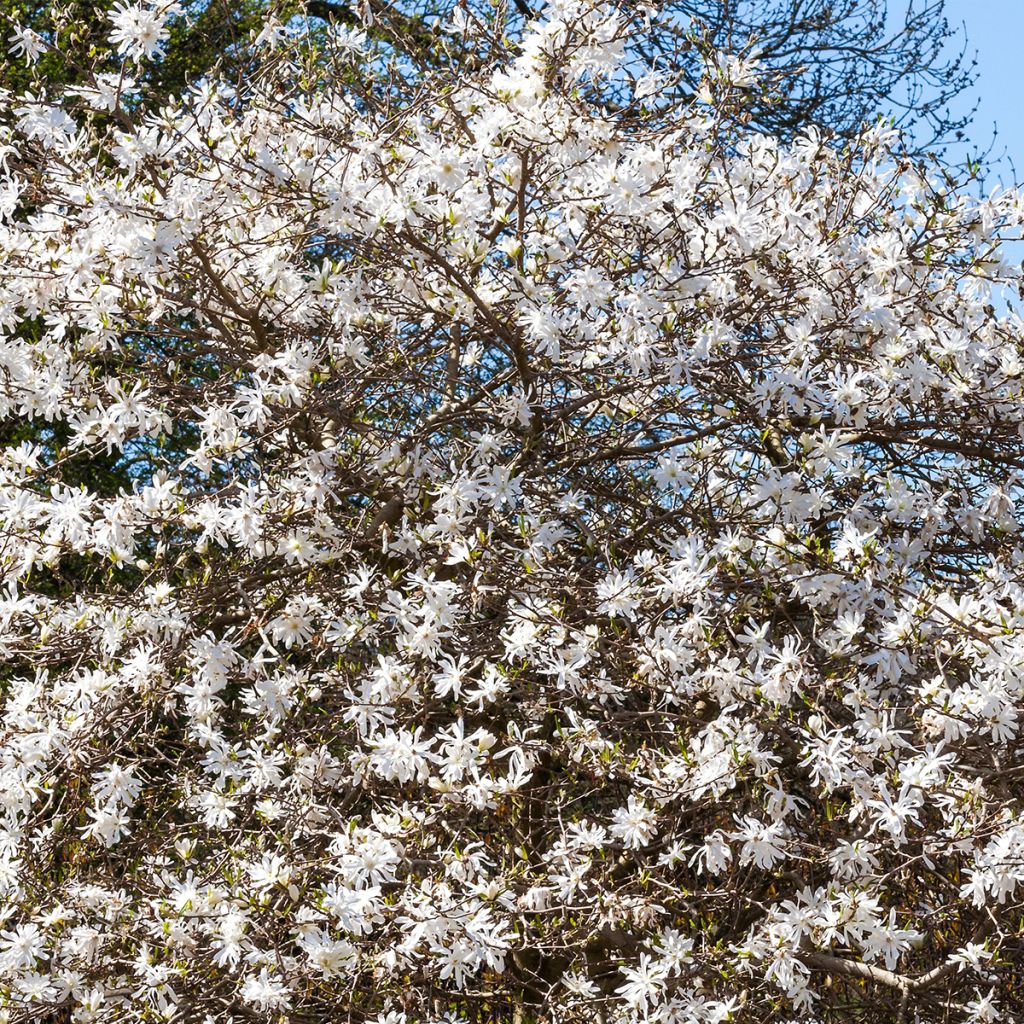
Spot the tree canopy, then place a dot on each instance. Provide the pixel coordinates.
(839, 63)
(558, 546)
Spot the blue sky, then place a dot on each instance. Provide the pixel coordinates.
(995, 29)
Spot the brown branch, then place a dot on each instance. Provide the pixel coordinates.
(855, 968)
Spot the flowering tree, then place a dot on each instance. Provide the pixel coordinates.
(563, 558)
(837, 62)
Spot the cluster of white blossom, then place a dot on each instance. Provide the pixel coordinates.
(555, 556)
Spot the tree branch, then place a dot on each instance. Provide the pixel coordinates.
(854, 968)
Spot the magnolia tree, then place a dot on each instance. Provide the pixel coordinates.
(564, 559)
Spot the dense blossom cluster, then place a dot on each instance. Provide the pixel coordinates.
(569, 563)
